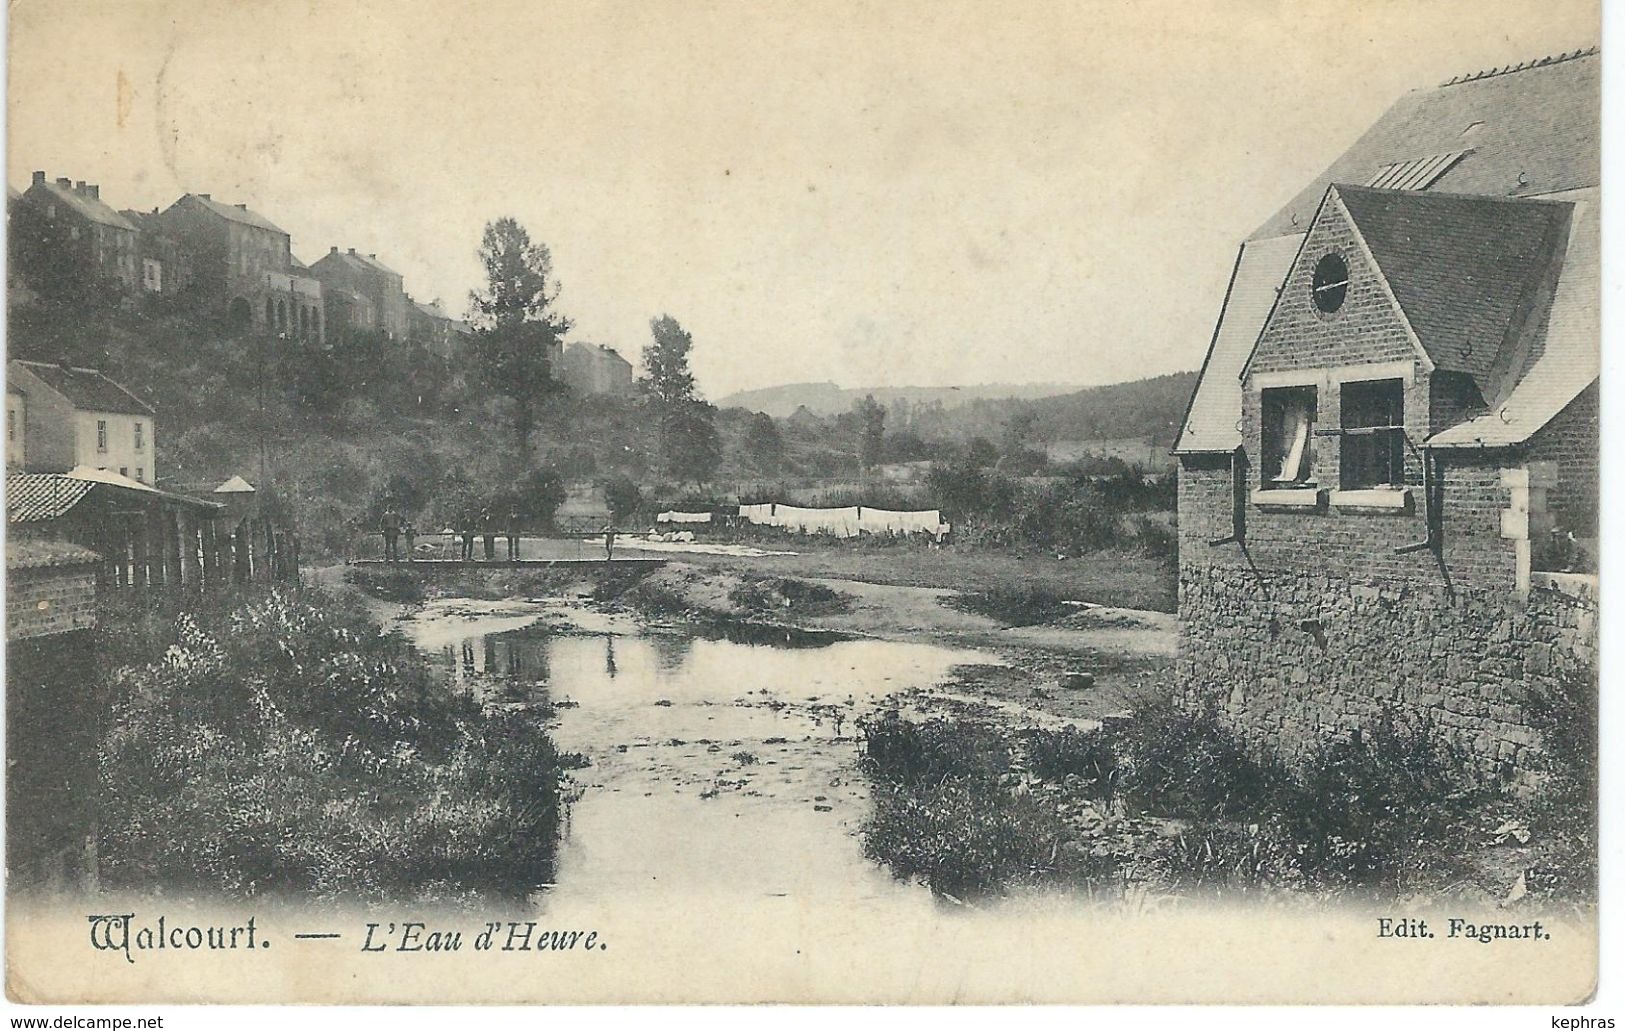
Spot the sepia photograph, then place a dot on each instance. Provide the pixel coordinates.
(589, 502)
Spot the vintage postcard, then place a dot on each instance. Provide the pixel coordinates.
(841, 502)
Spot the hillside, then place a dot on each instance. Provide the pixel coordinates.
(1146, 409)
(830, 399)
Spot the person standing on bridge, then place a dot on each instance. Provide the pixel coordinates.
(467, 522)
(513, 533)
(609, 542)
(390, 524)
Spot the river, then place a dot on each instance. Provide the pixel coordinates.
(716, 831)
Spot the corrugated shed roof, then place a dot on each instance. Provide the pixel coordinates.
(35, 497)
(87, 389)
(234, 213)
(29, 553)
(1570, 357)
(1531, 131)
(90, 207)
(1460, 267)
(1215, 408)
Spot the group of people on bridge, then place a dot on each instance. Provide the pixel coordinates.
(394, 527)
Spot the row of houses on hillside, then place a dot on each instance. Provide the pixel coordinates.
(213, 256)
(229, 259)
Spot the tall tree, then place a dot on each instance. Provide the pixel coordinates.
(667, 376)
(871, 417)
(762, 444)
(690, 449)
(517, 326)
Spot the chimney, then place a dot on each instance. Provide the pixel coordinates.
(64, 182)
(333, 249)
(352, 251)
(204, 196)
(241, 207)
(79, 187)
(39, 178)
(94, 191)
(374, 257)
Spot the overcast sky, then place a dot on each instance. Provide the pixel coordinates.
(907, 193)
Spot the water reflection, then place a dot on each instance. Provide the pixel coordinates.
(723, 764)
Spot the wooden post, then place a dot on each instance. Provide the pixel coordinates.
(172, 548)
(139, 534)
(243, 543)
(191, 543)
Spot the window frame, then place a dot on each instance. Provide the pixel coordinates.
(101, 436)
(1373, 458)
(1274, 404)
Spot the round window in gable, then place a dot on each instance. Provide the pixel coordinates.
(1331, 283)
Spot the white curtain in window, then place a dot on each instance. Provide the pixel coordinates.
(1295, 433)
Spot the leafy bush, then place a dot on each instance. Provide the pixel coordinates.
(1563, 810)
(901, 751)
(284, 745)
(788, 595)
(1179, 761)
(1018, 605)
(961, 835)
(389, 584)
(1383, 806)
(1089, 755)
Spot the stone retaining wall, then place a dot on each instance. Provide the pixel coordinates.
(1295, 657)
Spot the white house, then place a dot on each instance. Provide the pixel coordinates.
(78, 417)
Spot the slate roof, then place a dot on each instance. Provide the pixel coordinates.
(87, 389)
(36, 497)
(358, 262)
(89, 207)
(1569, 357)
(1541, 121)
(29, 553)
(1460, 267)
(233, 213)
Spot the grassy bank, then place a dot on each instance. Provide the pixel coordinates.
(276, 742)
(1169, 801)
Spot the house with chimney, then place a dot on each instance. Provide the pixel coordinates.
(242, 265)
(364, 276)
(63, 230)
(1388, 468)
(595, 369)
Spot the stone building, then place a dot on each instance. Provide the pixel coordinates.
(242, 264)
(430, 327)
(64, 230)
(596, 369)
(363, 275)
(164, 268)
(70, 417)
(1388, 469)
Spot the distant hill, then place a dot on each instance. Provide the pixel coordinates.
(1146, 410)
(829, 399)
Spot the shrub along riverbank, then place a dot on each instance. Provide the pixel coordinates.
(276, 742)
(1169, 801)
